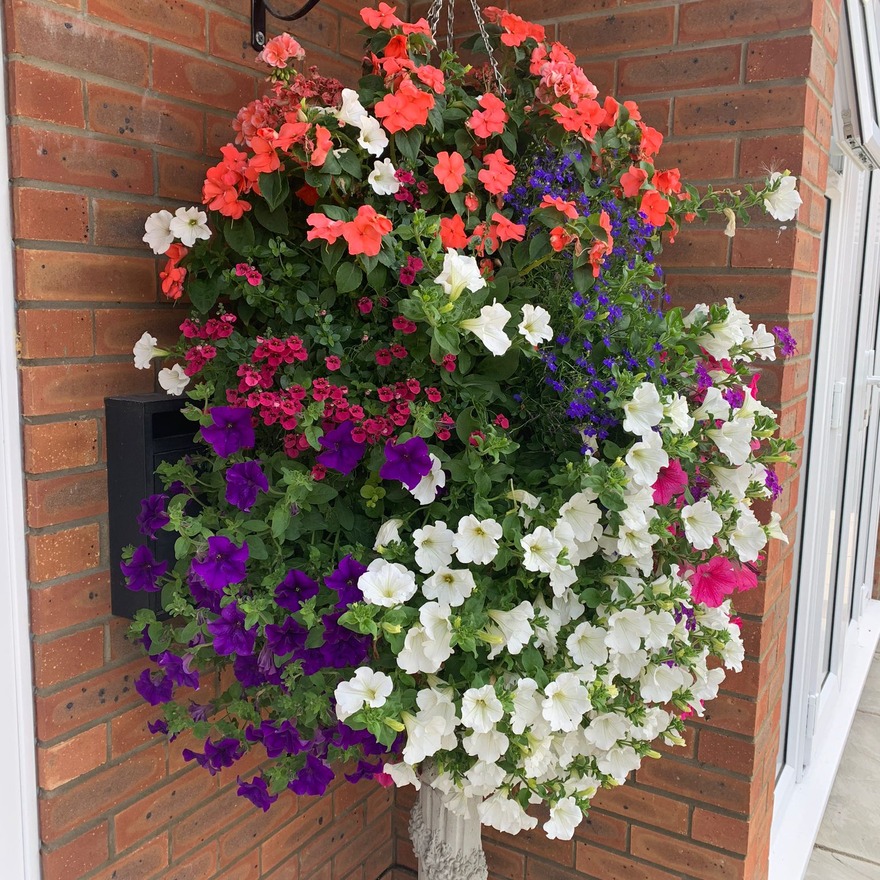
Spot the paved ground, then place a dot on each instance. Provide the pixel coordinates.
(848, 846)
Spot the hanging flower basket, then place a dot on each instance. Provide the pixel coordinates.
(472, 500)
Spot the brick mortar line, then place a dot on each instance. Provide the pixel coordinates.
(92, 192)
(111, 306)
(76, 247)
(720, 91)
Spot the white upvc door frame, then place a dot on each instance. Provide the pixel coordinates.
(19, 830)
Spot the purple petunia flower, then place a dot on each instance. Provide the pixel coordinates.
(224, 563)
(153, 515)
(342, 453)
(248, 673)
(198, 711)
(203, 597)
(278, 739)
(313, 779)
(231, 432)
(143, 571)
(230, 636)
(344, 581)
(286, 638)
(179, 669)
(257, 792)
(365, 770)
(157, 726)
(296, 587)
(244, 482)
(787, 342)
(407, 462)
(223, 753)
(155, 687)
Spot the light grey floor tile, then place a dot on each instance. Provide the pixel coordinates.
(826, 865)
(852, 818)
(870, 701)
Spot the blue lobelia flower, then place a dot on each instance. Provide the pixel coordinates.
(407, 462)
(244, 482)
(143, 571)
(224, 563)
(231, 432)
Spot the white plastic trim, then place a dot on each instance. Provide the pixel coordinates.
(19, 834)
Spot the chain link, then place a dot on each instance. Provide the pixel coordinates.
(434, 13)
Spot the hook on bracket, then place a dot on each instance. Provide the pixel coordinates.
(259, 8)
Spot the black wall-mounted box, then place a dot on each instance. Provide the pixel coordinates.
(143, 430)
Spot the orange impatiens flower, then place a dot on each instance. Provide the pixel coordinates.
(416, 27)
(449, 170)
(381, 17)
(324, 228)
(498, 173)
(323, 145)
(612, 111)
(564, 206)
(432, 77)
(584, 119)
(654, 207)
(397, 47)
(172, 276)
(265, 159)
(491, 119)
(405, 109)
(631, 181)
(519, 30)
(667, 182)
(453, 234)
(601, 249)
(225, 182)
(560, 239)
(364, 234)
(504, 229)
(651, 141)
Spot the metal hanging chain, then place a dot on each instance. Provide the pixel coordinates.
(434, 13)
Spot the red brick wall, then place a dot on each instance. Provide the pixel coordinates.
(115, 105)
(737, 87)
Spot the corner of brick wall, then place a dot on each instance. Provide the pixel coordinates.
(739, 88)
(117, 107)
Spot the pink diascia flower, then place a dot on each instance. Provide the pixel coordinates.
(279, 50)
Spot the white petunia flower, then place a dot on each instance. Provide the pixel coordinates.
(421, 653)
(434, 548)
(477, 540)
(644, 411)
(582, 514)
(190, 225)
(540, 550)
(586, 645)
(424, 737)
(402, 774)
(619, 762)
(734, 440)
(449, 586)
(367, 688)
(388, 533)
(382, 178)
(565, 816)
(566, 701)
(701, 523)
(730, 229)
(675, 410)
(535, 325)
(748, 537)
(645, 459)
(144, 351)
(489, 328)
(488, 746)
(352, 112)
(526, 705)
(173, 380)
(460, 273)
(606, 729)
(434, 617)
(657, 684)
(733, 480)
(426, 490)
(626, 629)
(774, 528)
(720, 337)
(763, 343)
(513, 627)
(157, 231)
(629, 666)
(387, 583)
(714, 406)
(481, 709)
(505, 814)
(662, 624)
(372, 137)
(783, 204)
(483, 779)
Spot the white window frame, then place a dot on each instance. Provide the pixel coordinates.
(862, 115)
(19, 829)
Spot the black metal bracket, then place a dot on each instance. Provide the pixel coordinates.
(259, 8)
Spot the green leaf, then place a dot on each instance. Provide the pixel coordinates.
(447, 337)
(202, 294)
(408, 143)
(349, 277)
(351, 164)
(275, 188)
(275, 221)
(239, 235)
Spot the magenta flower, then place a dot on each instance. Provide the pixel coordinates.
(143, 571)
(224, 563)
(231, 432)
(244, 482)
(407, 462)
(712, 581)
(672, 480)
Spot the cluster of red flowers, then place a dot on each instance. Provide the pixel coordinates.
(213, 328)
(173, 275)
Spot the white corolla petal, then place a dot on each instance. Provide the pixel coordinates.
(565, 816)
(646, 458)
(734, 440)
(566, 701)
(144, 351)
(387, 583)
(383, 178)
(626, 629)
(540, 550)
(434, 548)
(173, 380)
(606, 729)
(783, 204)
(644, 411)
(449, 586)
(460, 273)
(190, 225)
(701, 523)
(157, 231)
(748, 537)
(372, 137)
(477, 540)
(426, 490)
(389, 533)
(352, 112)
(535, 325)
(481, 709)
(367, 687)
(489, 328)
